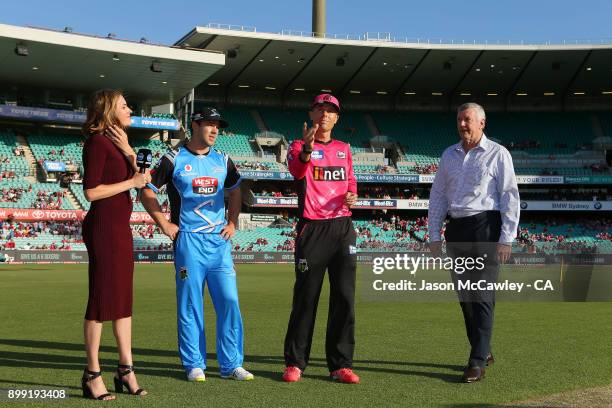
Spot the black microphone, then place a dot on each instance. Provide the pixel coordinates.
(144, 158)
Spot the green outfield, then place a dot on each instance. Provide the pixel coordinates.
(407, 353)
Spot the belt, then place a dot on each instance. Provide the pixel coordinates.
(475, 217)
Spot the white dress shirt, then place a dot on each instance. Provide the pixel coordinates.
(469, 183)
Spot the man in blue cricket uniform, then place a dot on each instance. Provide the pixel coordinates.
(197, 177)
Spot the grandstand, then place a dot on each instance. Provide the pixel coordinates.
(9, 161)
(67, 149)
(398, 122)
(25, 194)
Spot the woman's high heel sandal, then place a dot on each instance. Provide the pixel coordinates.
(89, 376)
(122, 371)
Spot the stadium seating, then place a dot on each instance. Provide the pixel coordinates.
(49, 235)
(137, 205)
(157, 147)
(150, 243)
(557, 171)
(30, 192)
(547, 236)
(605, 120)
(50, 146)
(162, 116)
(351, 126)
(77, 190)
(552, 130)
(240, 120)
(381, 238)
(259, 165)
(236, 145)
(368, 168)
(16, 164)
(273, 236)
(287, 122)
(47, 239)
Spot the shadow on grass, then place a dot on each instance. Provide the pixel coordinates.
(478, 405)
(171, 370)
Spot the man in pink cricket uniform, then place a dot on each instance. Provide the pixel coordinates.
(326, 187)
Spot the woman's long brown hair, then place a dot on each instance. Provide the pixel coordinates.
(101, 111)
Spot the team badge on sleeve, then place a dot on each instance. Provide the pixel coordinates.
(183, 273)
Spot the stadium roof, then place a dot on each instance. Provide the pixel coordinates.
(293, 63)
(85, 63)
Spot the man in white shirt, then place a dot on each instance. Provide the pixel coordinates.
(476, 186)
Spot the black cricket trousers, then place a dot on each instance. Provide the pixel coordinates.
(323, 244)
(476, 236)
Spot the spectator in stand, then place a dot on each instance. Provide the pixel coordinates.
(252, 166)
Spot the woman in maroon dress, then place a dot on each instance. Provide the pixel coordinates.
(110, 173)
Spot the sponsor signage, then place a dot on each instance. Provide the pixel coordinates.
(42, 114)
(264, 175)
(566, 206)
(205, 185)
(429, 178)
(329, 173)
(275, 202)
(30, 214)
(413, 204)
(364, 203)
(375, 203)
(588, 179)
(387, 178)
(522, 179)
(291, 202)
(426, 178)
(66, 116)
(263, 217)
(55, 166)
(35, 256)
(154, 123)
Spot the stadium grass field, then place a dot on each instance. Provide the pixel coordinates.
(407, 354)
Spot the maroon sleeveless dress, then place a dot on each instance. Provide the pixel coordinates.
(107, 234)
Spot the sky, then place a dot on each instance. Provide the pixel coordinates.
(164, 22)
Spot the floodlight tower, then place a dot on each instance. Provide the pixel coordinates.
(318, 18)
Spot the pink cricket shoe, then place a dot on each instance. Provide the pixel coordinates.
(345, 375)
(292, 374)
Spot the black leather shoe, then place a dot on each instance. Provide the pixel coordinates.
(473, 374)
(490, 359)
